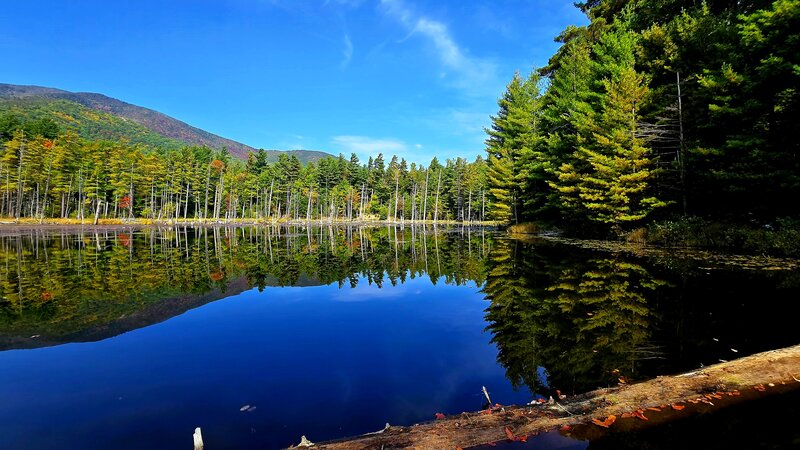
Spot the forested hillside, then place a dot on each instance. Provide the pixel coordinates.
(657, 109)
(99, 117)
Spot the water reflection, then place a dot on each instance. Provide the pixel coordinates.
(66, 287)
(575, 320)
(584, 320)
(561, 318)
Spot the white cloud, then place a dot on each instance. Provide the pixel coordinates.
(465, 71)
(347, 52)
(366, 146)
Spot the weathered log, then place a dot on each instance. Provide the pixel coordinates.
(773, 371)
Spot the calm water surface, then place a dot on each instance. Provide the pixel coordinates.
(131, 339)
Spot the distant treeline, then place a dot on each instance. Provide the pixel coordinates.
(48, 174)
(656, 109)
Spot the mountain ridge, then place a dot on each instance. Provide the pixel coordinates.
(22, 98)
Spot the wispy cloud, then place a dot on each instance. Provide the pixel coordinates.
(347, 52)
(367, 146)
(461, 70)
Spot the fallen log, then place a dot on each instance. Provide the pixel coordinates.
(624, 406)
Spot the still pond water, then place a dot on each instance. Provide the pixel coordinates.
(130, 339)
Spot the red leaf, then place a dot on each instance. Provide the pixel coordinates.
(677, 407)
(655, 409)
(639, 414)
(566, 428)
(440, 416)
(510, 435)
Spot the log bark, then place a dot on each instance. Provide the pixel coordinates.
(716, 386)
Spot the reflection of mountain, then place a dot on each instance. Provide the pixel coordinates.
(147, 315)
(86, 287)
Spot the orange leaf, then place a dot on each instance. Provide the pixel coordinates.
(509, 434)
(566, 428)
(654, 409)
(677, 407)
(605, 423)
(639, 414)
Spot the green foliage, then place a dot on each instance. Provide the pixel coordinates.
(49, 117)
(69, 177)
(781, 238)
(659, 108)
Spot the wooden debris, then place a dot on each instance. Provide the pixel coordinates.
(497, 424)
(198, 439)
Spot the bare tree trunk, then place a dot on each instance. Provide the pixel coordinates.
(425, 196)
(308, 208)
(469, 207)
(682, 148)
(438, 187)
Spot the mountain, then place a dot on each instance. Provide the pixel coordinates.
(96, 116)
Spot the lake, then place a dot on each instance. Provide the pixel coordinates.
(130, 338)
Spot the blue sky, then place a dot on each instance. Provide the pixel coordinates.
(408, 77)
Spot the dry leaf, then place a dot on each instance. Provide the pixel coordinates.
(605, 423)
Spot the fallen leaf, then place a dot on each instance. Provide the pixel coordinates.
(677, 407)
(605, 423)
(639, 414)
(566, 428)
(654, 409)
(440, 416)
(510, 434)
